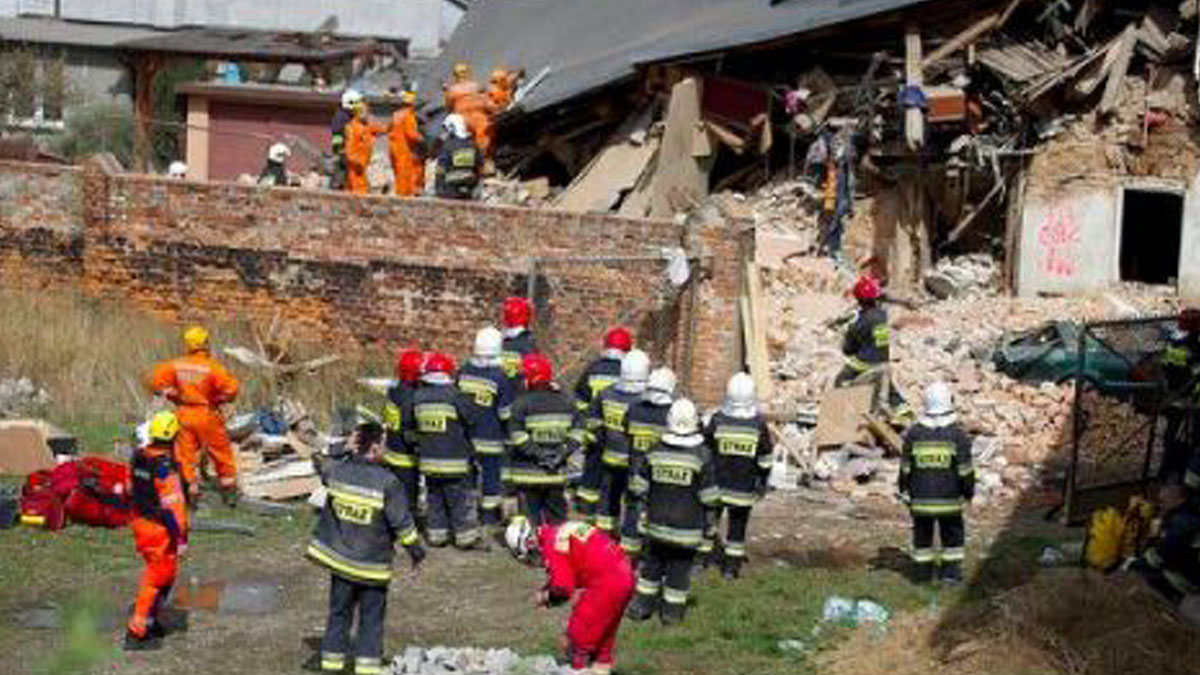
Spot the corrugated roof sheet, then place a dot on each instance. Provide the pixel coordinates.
(73, 33)
(591, 43)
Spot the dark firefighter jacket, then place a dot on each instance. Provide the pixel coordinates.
(743, 452)
(489, 392)
(678, 487)
(458, 168)
(544, 429)
(866, 343)
(599, 375)
(512, 350)
(936, 472)
(401, 432)
(606, 423)
(443, 420)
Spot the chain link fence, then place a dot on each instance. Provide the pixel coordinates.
(578, 298)
(1117, 423)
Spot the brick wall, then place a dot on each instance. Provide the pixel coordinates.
(367, 270)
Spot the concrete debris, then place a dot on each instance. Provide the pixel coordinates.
(472, 661)
(19, 397)
(504, 192)
(963, 276)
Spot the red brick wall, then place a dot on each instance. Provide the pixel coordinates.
(368, 269)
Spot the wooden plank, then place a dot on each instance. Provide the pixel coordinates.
(679, 179)
(841, 414)
(1096, 73)
(292, 488)
(615, 171)
(1120, 67)
(914, 118)
(966, 37)
(884, 434)
(760, 353)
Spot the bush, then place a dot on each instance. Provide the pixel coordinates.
(98, 127)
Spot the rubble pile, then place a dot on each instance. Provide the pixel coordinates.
(20, 397)
(472, 661)
(508, 192)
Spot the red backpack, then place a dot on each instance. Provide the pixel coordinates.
(100, 497)
(40, 506)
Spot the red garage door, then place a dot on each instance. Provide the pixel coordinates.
(240, 134)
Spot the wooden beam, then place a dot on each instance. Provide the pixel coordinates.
(914, 118)
(1120, 67)
(966, 37)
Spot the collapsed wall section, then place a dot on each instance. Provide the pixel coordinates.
(368, 270)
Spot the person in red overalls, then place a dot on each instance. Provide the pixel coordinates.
(579, 557)
(160, 528)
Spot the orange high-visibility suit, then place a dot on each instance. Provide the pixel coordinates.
(160, 530)
(407, 164)
(467, 99)
(360, 145)
(198, 386)
(499, 97)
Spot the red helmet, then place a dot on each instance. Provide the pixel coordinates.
(539, 372)
(867, 288)
(1189, 320)
(517, 313)
(618, 337)
(440, 363)
(408, 365)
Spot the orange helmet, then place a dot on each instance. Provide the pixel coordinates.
(867, 288)
(438, 362)
(539, 372)
(618, 337)
(499, 76)
(409, 363)
(1189, 320)
(517, 312)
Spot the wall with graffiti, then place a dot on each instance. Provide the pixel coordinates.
(1069, 241)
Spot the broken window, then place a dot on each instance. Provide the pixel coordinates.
(1151, 231)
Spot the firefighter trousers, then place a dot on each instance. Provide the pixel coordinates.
(1177, 446)
(451, 505)
(952, 532)
(347, 598)
(737, 518)
(588, 492)
(666, 571)
(596, 619)
(411, 482)
(542, 504)
(153, 543)
(631, 532)
(614, 483)
(491, 488)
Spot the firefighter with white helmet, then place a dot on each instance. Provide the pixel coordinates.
(645, 424)
(607, 425)
(488, 390)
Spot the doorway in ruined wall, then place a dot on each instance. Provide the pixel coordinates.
(1151, 234)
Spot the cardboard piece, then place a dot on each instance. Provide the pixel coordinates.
(679, 180)
(841, 414)
(615, 171)
(24, 447)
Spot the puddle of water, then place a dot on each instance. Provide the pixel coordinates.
(50, 616)
(237, 597)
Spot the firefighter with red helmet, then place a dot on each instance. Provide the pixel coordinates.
(1179, 362)
(867, 348)
(544, 429)
(400, 453)
(519, 342)
(600, 375)
(444, 420)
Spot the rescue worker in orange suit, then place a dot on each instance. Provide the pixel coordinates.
(464, 96)
(199, 385)
(160, 528)
(497, 99)
(360, 145)
(581, 558)
(461, 86)
(404, 146)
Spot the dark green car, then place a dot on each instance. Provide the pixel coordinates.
(1051, 354)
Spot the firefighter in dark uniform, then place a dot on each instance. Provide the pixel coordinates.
(600, 374)
(351, 100)
(519, 342)
(607, 425)
(355, 537)
(678, 489)
(1171, 565)
(937, 478)
(486, 387)
(1179, 363)
(743, 453)
(645, 425)
(867, 347)
(460, 163)
(400, 454)
(544, 429)
(444, 420)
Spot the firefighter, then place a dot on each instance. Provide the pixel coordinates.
(160, 528)
(404, 147)
(444, 421)
(1179, 361)
(460, 162)
(645, 424)
(364, 514)
(274, 172)
(607, 424)
(604, 371)
(360, 146)
(742, 448)
(199, 385)
(866, 346)
(937, 479)
(678, 489)
(580, 559)
(351, 100)
(1171, 565)
(400, 448)
(544, 429)
(487, 388)
(519, 342)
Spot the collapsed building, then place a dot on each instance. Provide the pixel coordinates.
(1053, 136)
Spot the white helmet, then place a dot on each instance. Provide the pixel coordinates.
(683, 419)
(938, 405)
(518, 536)
(663, 380)
(279, 152)
(177, 169)
(351, 98)
(635, 370)
(740, 400)
(488, 342)
(455, 125)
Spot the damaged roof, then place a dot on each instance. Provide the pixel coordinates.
(254, 45)
(587, 44)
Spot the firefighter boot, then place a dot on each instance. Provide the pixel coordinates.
(673, 613)
(924, 573)
(230, 497)
(731, 568)
(642, 607)
(951, 573)
(149, 642)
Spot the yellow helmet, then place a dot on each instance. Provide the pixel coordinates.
(499, 76)
(164, 427)
(408, 97)
(195, 339)
(461, 71)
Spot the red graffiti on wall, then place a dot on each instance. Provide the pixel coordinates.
(1058, 237)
